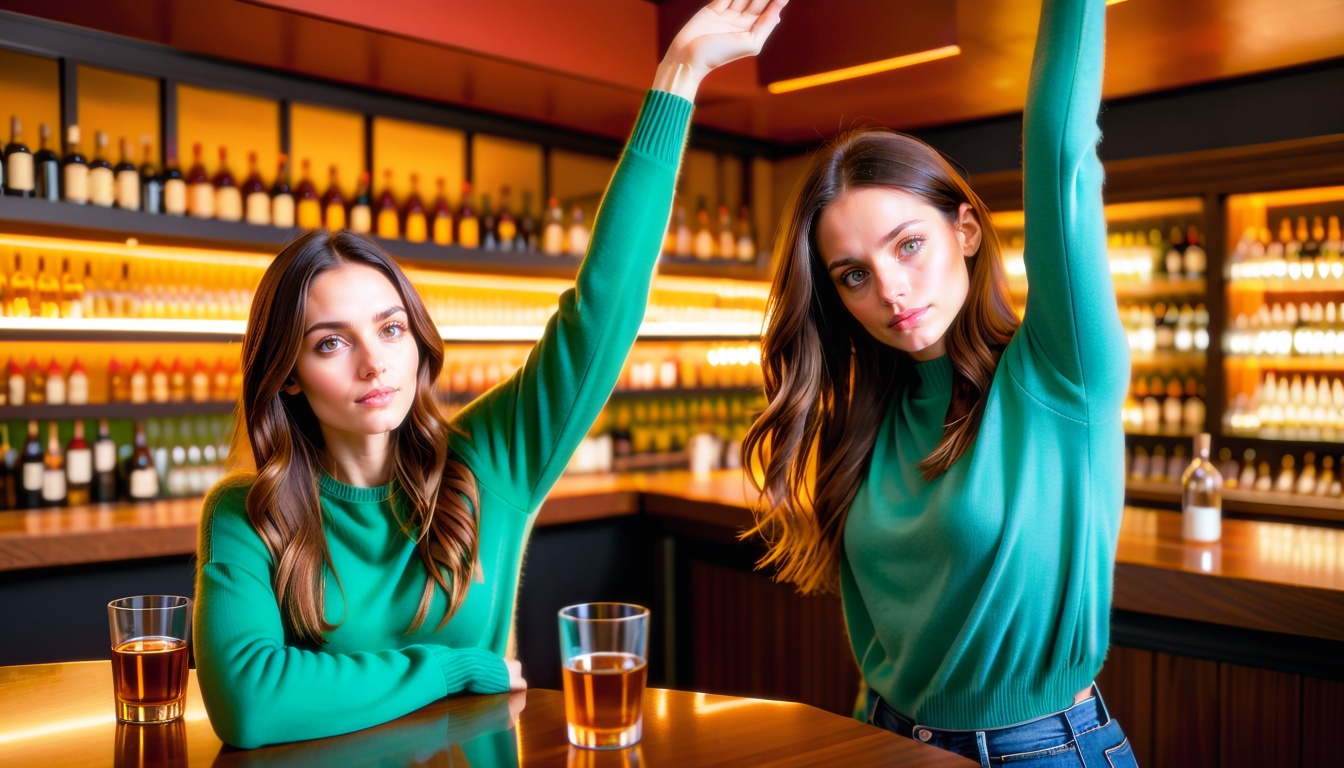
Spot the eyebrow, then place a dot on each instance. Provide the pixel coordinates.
(342, 325)
(887, 238)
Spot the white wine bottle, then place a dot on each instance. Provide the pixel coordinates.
(1202, 496)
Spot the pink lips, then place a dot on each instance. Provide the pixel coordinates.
(378, 397)
(908, 319)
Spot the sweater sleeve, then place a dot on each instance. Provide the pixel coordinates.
(1071, 319)
(259, 688)
(519, 436)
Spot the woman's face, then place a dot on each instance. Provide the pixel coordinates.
(357, 358)
(899, 267)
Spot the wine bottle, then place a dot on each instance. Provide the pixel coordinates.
(47, 167)
(442, 226)
(468, 226)
(489, 225)
(22, 299)
(126, 180)
(746, 240)
(16, 384)
(18, 176)
(104, 485)
(48, 291)
(361, 210)
(506, 229)
(74, 170)
(282, 200)
(553, 239)
(142, 479)
(200, 383)
(77, 384)
(417, 225)
(528, 231)
(151, 184)
(308, 205)
(703, 246)
(158, 382)
(389, 215)
(685, 241)
(577, 236)
(102, 179)
(53, 470)
(78, 468)
(55, 384)
(174, 186)
(228, 198)
(727, 248)
(333, 203)
(200, 192)
(177, 382)
(28, 494)
(137, 384)
(256, 200)
(9, 459)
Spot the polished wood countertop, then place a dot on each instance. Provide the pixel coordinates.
(1272, 576)
(61, 714)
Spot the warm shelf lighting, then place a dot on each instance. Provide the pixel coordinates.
(860, 70)
(1114, 2)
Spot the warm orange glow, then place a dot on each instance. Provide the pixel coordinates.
(871, 68)
(1114, 2)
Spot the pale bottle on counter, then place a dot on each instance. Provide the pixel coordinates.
(78, 468)
(77, 384)
(53, 470)
(55, 384)
(1201, 496)
(102, 179)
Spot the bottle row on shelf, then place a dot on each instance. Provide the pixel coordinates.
(133, 383)
(699, 433)
(1289, 328)
(1301, 254)
(731, 242)
(165, 458)
(1172, 406)
(1135, 256)
(1166, 327)
(1248, 474)
(1296, 408)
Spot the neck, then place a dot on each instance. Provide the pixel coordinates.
(364, 461)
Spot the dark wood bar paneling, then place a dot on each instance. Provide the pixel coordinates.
(1126, 684)
(1185, 716)
(1260, 718)
(1322, 716)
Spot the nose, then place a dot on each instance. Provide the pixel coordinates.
(372, 365)
(892, 284)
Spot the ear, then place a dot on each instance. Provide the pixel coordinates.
(968, 230)
(291, 386)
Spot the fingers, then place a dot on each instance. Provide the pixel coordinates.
(756, 6)
(719, 6)
(767, 21)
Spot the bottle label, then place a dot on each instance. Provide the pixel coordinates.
(158, 388)
(200, 388)
(139, 388)
(175, 197)
(282, 211)
(102, 187)
(128, 190)
(335, 217)
(79, 466)
(229, 204)
(469, 233)
(104, 456)
(55, 391)
(310, 214)
(443, 230)
(32, 476)
(144, 483)
(201, 201)
(417, 229)
(76, 183)
(1202, 523)
(258, 208)
(19, 172)
(16, 387)
(53, 486)
(389, 224)
(77, 389)
(361, 219)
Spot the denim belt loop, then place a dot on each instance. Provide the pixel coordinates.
(984, 749)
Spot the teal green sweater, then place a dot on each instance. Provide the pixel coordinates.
(260, 688)
(983, 598)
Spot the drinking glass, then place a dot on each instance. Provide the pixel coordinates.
(604, 653)
(149, 656)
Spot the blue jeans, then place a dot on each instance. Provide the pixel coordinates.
(1082, 736)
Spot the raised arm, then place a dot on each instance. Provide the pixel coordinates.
(519, 436)
(259, 689)
(1071, 319)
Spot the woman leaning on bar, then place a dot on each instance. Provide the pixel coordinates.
(954, 475)
(364, 562)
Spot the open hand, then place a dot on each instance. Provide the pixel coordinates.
(723, 31)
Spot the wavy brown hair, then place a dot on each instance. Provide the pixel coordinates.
(829, 382)
(278, 443)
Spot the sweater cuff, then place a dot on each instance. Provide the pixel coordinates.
(660, 130)
(472, 669)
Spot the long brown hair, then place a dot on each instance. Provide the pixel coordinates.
(278, 443)
(829, 382)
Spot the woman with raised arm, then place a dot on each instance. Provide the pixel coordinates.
(955, 476)
(364, 560)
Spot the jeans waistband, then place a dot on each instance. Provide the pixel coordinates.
(1055, 729)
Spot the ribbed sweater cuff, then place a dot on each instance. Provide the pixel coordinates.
(472, 669)
(660, 130)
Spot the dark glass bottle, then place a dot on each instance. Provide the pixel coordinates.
(28, 493)
(47, 167)
(151, 185)
(104, 485)
(127, 180)
(18, 171)
(142, 478)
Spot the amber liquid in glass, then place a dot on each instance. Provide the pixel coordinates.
(603, 692)
(150, 678)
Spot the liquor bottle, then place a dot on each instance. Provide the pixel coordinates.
(55, 384)
(1194, 259)
(489, 226)
(1306, 480)
(158, 382)
(200, 192)
(142, 479)
(104, 485)
(1287, 475)
(1327, 476)
(228, 198)
(177, 382)
(102, 179)
(417, 223)
(126, 180)
(468, 226)
(48, 291)
(219, 381)
(1311, 248)
(28, 494)
(18, 176)
(333, 203)
(78, 468)
(74, 170)
(151, 184)
(8, 463)
(576, 238)
(685, 241)
(174, 185)
(1175, 250)
(746, 240)
(388, 221)
(200, 383)
(361, 211)
(727, 249)
(442, 225)
(47, 168)
(282, 200)
(528, 234)
(16, 385)
(506, 228)
(308, 206)
(256, 200)
(137, 384)
(1247, 479)
(1201, 496)
(77, 384)
(22, 300)
(703, 247)
(553, 238)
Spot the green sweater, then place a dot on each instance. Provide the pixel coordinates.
(261, 688)
(983, 598)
